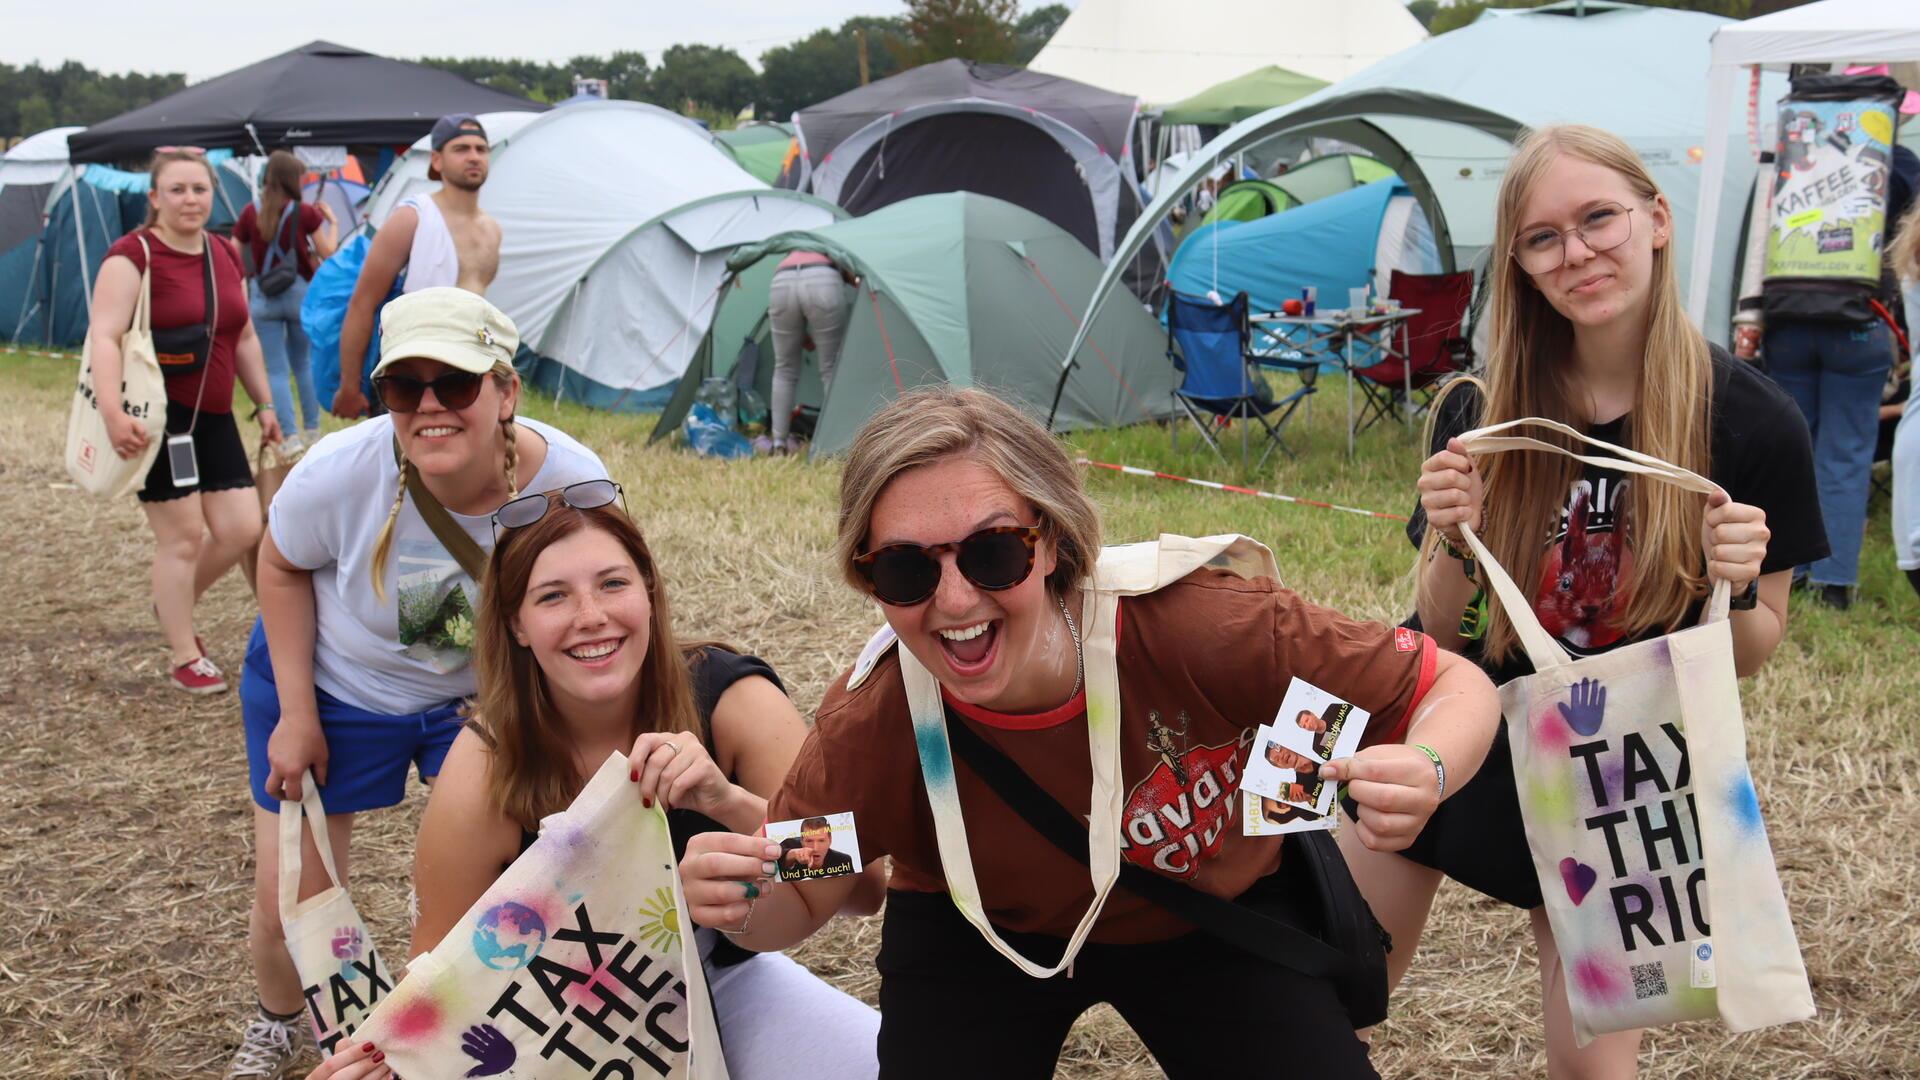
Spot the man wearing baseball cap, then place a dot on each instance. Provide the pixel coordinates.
(437, 240)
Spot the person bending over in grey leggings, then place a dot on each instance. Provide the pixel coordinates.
(808, 297)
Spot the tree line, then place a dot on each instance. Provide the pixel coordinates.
(35, 98)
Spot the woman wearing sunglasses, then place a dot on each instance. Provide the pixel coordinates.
(1587, 329)
(966, 521)
(576, 657)
(360, 661)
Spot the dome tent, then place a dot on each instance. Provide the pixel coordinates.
(55, 229)
(1245, 200)
(960, 126)
(955, 287)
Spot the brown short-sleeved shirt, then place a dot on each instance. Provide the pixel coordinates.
(1203, 663)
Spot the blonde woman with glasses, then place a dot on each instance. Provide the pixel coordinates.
(1586, 328)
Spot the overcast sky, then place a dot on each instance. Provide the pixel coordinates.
(208, 37)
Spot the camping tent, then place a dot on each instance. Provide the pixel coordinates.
(1245, 200)
(635, 317)
(408, 175)
(1442, 103)
(1828, 32)
(346, 198)
(1343, 241)
(958, 288)
(1164, 52)
(1238, 98)
(760, 146)
(318, 94)
(55, 228)
(1059, 148)
(576, 181)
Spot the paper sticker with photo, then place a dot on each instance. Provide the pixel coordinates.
(1312, 728)
(815, 848)
(1261, 816)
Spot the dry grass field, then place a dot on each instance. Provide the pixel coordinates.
(124, 861)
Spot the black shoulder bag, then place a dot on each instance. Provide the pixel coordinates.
(1353, 956)
(281, 267)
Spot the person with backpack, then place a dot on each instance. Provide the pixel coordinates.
(1587, 329)
(1021, 668)
(283, 239)
(368, 581)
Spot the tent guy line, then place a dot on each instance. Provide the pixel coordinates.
(1133, 470)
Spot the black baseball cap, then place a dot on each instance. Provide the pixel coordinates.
(448, 128)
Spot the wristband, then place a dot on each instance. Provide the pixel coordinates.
(1439, 767)
(1747, 599)
(1467, 565)
(258, 409)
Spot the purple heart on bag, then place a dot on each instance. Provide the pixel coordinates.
(1579, 879)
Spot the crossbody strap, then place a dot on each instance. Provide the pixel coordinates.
(1268, 938)
(452, 537)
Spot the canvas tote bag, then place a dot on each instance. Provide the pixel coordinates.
(91, 462)
(341, 974)
(270, 469)
(1122, 570)
(577, 963)
(1641, 815)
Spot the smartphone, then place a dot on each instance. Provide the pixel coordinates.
(182, 462)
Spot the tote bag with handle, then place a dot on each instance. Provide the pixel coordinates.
(1644, 826)
(576, 964)
(342, 976)
(91, 462)
(1122, 570)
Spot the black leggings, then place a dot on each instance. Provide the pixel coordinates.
(951, 1006)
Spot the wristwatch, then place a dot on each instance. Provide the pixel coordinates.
(1747, 599)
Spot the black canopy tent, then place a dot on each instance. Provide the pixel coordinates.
(320, 94)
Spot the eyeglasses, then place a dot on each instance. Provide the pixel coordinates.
(1544, 250)
(454, 390)
(902, 575)
(527, 509)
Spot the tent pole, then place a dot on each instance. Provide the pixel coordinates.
(80, 233)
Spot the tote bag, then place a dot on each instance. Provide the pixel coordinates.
(270, 469)
(1645, 830)
(575, 964)
(1122, 570)
(341, 974)
(91, 462)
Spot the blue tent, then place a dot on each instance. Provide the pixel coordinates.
(45, 284)
(1338, 243)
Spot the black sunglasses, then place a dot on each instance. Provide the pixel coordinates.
(527, 509)
(401, 393)
(994, 559)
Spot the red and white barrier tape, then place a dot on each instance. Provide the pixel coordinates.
(1131, 470)
(38, 352)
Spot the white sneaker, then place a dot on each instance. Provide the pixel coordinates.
(291, 447)
(268, 1050)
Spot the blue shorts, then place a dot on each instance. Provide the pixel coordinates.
(367, 753)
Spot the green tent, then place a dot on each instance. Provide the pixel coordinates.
(1236, 99)
(1245, 200)
(759, 146)
(955, 287)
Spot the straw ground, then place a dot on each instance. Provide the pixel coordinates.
(123, 814)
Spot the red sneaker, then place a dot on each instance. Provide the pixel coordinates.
(199, 677)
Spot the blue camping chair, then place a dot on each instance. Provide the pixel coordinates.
(1208, 343)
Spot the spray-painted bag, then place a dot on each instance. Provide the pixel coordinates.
(576, 963)
(1644, 826)
(341, 974)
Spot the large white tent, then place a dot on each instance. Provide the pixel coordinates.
(1828, 32)
(1163, 52)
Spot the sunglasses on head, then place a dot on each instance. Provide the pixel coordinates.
(993, 559)
(401, 393)
(527, 509)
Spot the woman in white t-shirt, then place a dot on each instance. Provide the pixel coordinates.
(359, 665)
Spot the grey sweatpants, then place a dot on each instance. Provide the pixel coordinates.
(803, 300)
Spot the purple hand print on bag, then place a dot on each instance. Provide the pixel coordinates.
(1589, 706)
(485, 1044)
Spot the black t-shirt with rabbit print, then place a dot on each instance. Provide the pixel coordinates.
(1760, 453)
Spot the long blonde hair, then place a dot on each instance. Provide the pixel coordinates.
(1529, 373)
(928, 423)
(279, 189)
(532, 772)
(503, 375)
(1905, 252)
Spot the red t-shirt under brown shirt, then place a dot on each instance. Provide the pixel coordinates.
(1203, 663)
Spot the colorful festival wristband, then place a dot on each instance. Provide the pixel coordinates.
(1439, 767)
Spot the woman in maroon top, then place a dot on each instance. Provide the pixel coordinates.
(280, 230)
(203, 528)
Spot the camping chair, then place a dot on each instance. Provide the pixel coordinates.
(1208, 344)
(1431, 343)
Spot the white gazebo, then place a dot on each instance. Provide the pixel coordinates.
(1829, 32)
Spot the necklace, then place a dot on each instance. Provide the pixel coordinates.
(1079, 657)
